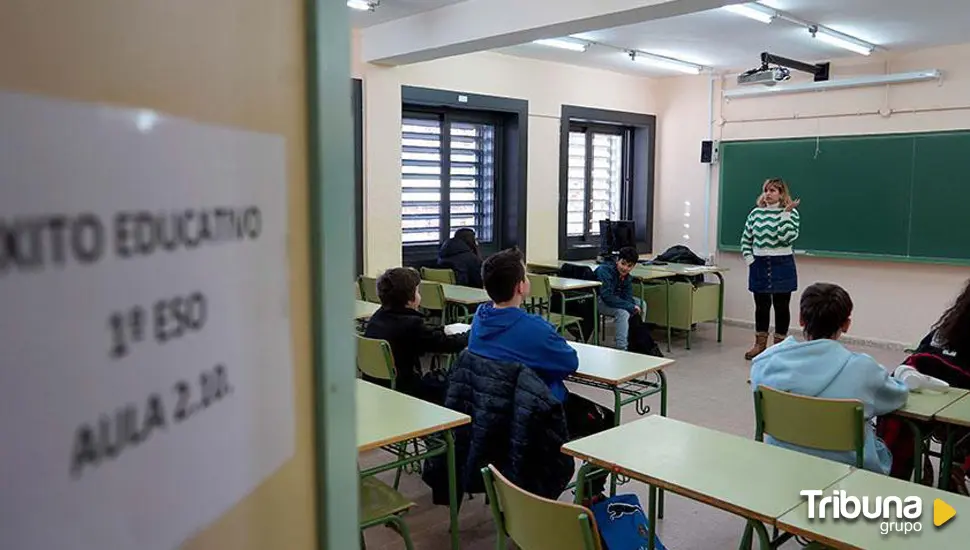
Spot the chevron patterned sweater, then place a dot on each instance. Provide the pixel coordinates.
(769, 231)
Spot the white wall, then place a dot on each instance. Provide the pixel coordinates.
(545, 85)
(895, 302)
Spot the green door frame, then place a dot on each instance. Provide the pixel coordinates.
(330, 178)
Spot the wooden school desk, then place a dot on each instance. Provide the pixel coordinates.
(956, 418)
(923, 407)
(865, 534)
(756, 481)
(579, 290)
(386, 417)
(363, 310)
(686, 304)
(465, 298)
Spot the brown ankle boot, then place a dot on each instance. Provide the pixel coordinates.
(760, 344)
(779, 338)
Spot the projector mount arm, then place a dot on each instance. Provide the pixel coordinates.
(819, 70)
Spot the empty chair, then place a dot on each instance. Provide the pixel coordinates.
(438, 275)
(368, 289)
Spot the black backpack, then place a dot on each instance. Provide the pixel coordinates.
(640, 340)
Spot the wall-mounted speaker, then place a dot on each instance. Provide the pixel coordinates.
(708, 151)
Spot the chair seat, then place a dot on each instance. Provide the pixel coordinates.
(567, 320)
(379, 500)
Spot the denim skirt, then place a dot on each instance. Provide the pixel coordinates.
(772, 275)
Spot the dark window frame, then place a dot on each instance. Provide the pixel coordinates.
(639, 164)
(511, 176)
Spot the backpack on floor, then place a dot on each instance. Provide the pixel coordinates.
(640, 340)
(622, 524)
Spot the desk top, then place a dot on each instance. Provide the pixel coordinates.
(385, 416)
(732, 473)
(464, 295)
(363, 310)
(862, 533)
(924, 405)
(563, 284)
(686, 269)
(613, 366)
(956, 413)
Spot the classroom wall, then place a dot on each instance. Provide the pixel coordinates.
(237, 63)
(895, 302)
(545, 85)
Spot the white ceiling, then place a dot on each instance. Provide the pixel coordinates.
(723, 40)
(389, 10)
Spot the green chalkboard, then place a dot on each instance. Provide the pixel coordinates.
(892, 197)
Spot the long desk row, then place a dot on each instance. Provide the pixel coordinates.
(760, 483)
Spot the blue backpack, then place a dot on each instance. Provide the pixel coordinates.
(622, 524)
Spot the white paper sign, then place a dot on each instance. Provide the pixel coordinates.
(146, 368)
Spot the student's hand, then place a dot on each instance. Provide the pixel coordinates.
(793, 205)
(636, 309)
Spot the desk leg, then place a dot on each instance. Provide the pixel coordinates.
(617, 407)
(917, 449)
(720, 305)
(663, 412)
(452, 489)
(946, 458)
(596, 319)
(670, 332)
(581, 481)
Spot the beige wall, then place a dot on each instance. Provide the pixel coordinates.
(894, 301)
(545, 85)
(236, 63)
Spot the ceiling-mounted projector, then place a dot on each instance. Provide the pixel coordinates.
(775, 69)
(767, 77)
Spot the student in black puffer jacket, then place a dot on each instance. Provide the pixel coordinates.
(461, 254)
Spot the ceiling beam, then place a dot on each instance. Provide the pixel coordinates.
(476, 25)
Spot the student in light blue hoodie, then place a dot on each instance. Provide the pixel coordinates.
(822, 367)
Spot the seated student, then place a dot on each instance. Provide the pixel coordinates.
(399, 322)
(461, 254)
(950, 337)
(503, 331)
(822, 367)
(616, 295)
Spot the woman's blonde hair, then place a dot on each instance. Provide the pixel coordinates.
(782, 188)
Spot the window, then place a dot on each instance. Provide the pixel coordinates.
(447, 177)
(596, 177)
(606, 161)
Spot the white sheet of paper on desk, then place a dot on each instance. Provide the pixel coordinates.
(457, 328)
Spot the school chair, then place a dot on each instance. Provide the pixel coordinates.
(380, 504)
(436, 275)
(433, 300)
(813, 422)
(536, 523)
(375, 359)
(368, 289)
(540, 301)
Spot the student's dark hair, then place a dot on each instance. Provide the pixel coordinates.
(953, 328)
(501, 272)
(396, 286)
(467, 236)
(628, 254)
(824, 309)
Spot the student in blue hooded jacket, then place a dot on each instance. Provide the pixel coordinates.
(822, 367)
(504, 332)
(616, 293)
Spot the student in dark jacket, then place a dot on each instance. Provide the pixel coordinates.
(950, 337)
(616, 293)
(399, 322)
(461, 254)
(502, 331)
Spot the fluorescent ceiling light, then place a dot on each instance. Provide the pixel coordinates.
(841, 41)
(754, 11)
(563, 44)
(362, 5)
(855, 82)
(665, 62)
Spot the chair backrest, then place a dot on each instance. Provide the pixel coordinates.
(823, 424)
(432, 296)
(540, 287)
(374, 358)
(438, 275)
(368, 289)
(536, 523)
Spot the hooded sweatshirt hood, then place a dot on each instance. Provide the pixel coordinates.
(454, 247)
(826, 369)
(511, 335)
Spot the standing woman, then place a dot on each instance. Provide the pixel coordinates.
(766, 245)
(461, 254)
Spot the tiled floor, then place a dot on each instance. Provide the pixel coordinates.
(707, 387)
